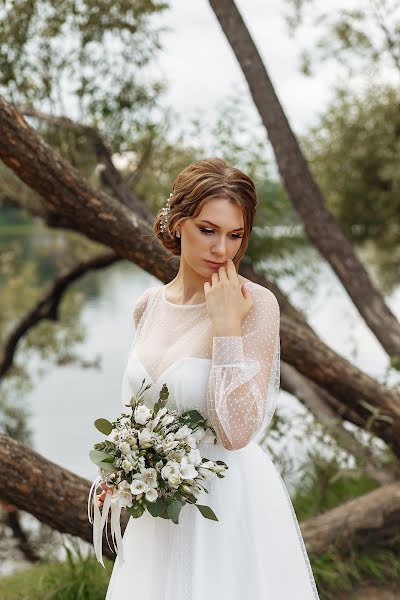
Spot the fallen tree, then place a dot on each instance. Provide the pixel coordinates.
(58, 498)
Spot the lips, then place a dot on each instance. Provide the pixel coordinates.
(214, 264)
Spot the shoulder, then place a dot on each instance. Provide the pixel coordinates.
(142, 302)
(265, 311)
(260, 293)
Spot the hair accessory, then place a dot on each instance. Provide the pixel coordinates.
(165, 213)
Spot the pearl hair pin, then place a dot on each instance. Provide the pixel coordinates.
(165, 213)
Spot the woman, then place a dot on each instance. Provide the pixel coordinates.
(213, 337)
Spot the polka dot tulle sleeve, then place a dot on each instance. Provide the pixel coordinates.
(245, 374)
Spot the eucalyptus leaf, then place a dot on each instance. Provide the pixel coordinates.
(207, 512)
(104, 426)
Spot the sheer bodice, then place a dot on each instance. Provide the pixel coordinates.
(234, 379)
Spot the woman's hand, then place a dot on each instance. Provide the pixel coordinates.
(227, 302)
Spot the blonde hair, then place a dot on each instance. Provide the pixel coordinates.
(194, 186)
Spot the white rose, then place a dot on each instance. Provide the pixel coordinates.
(142, 414)
(125, 447)
(151, 495)
(138, 487)
(174, 480)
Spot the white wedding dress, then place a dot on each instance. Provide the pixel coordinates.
(255, 550)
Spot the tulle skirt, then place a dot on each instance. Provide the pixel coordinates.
(254, 551)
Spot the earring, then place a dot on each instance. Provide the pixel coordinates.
(178, 235)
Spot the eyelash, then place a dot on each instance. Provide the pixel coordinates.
(207, 231)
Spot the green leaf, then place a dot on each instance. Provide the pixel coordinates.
(207, 512)
(97, 456)
(103, 426)
(194, 415)
(173, 510)
(156, 508)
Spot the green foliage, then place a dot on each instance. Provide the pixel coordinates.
(79, 577)
(357, 35)
(354, 153)
(98, 48)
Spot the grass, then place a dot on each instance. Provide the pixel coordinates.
(79, 577)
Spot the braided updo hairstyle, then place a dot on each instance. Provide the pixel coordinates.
(194, 186)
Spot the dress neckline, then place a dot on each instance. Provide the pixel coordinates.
(180, 305)
(187, 305)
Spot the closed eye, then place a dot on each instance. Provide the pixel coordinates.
(207, 231)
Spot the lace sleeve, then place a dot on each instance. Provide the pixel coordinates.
(245, 374)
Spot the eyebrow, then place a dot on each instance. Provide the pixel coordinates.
(216, 226)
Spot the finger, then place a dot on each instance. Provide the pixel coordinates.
(222, 273)
(231, 271)
(214, 278)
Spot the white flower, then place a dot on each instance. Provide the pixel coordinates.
(167, 420)
(125, 447)
(174, 480)
(142, 414)
(208, 464)
(183, 432)
(218, 468)
(199, 434)
(127, 465)
(151, 495)
(166, 471)
(138, 487)
(124, 494)
(170, 467)
(145, 437)
(191, 441)
(207, 473)
(158, 416)
(149, 476)
(167, 447)
(188, 472)
(194, 457)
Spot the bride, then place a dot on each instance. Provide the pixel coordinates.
(213, 337)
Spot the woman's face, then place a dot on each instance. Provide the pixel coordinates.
(214, 235)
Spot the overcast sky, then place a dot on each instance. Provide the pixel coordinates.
(202, 69)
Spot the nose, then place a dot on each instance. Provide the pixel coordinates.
(219, 247)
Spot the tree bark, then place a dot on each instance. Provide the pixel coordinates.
(304, 192)
(58, 498)
(71, 202)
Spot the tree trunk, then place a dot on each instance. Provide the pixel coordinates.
(303, 190)
(58, 498)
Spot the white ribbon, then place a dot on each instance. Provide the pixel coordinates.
(100, 519)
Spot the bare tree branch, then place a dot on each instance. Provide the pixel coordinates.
(47, 307)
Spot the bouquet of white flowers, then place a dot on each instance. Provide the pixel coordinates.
(149, 461)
